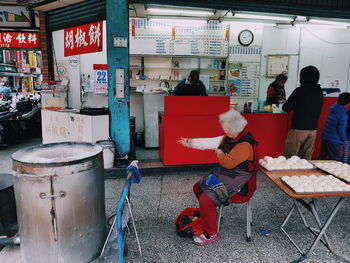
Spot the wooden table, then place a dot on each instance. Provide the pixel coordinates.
(309, 202)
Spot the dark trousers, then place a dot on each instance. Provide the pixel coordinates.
(329, 151)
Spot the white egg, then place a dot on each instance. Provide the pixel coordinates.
(328, 188)
(268, 167)
(299, 189)
(281, 167)
(346, 187)
(281, 158)
(273, 167)
(270, 161)
(309, 189)
(338, 188)
(267, 157)
(319, 189)
(343, 175)
(295, 166)
(289, 161)
(294, 157)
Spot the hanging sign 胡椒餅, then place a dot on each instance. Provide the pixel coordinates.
(83, 39)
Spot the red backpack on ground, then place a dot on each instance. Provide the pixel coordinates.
(186, 226)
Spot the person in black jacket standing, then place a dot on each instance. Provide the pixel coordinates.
(191, 87)
(306, 101)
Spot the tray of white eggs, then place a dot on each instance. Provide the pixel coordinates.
(338, 169)
(309, 184)
(282, 163)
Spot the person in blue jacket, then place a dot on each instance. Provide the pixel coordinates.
(334, 134)
(191, 86)
(5, 90)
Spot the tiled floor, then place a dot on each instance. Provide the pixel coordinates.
(160, 197)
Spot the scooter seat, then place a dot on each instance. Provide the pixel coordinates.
(4, 114)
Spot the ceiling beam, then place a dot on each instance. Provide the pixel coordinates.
(330, 9)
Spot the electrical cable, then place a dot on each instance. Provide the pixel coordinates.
(55, 59)
(326, 41)
(109, 219)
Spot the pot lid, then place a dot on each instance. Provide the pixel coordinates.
(54, 153)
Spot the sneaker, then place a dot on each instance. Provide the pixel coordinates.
(205, 239)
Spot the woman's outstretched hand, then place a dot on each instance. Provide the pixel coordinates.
(183, 142)
(218, 151)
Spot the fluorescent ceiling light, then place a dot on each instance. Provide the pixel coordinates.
(179, 12)
(249, 16)
(301, 18)
(328, 22)
(318, 26)
(246, 23)
(178, 20)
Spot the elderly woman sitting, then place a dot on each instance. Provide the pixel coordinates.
(238, 161)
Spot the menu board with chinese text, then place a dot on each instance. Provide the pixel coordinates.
(171, 38)
(243, 71)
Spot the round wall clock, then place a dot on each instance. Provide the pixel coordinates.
(245, 37)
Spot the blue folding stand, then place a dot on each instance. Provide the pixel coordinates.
(113, 248)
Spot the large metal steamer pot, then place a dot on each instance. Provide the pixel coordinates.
(59, 190)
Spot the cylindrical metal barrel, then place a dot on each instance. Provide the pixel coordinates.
(108, 147)
(59, 190)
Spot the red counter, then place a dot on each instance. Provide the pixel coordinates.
(270, 130)
(197, 117)
(327, 103)
(189, 117)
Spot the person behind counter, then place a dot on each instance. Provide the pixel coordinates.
(334, 134)
(306, 101)
(276, 93)
(238, 161)
(191, 86)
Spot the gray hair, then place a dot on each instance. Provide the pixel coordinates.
(232, 121)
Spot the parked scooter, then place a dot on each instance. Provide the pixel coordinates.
(31, 120)
(21, 121)
(8, 126)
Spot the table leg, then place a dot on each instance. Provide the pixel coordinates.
(317, 218)
(319, 233)
(324, 227)
(285, 222)
(313, 230)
